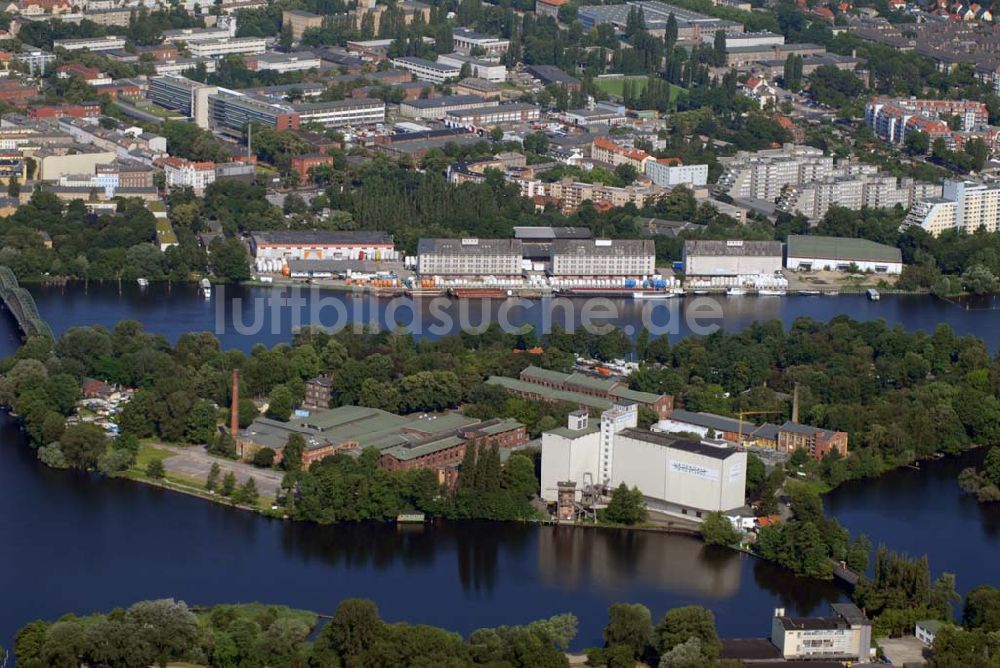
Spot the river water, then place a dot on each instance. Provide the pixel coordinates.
(75, 542)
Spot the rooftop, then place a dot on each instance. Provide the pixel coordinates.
(465, 246)
(541, 233)
(732, 248)
(841, 248)
(323, 237)
(444, 101)
(687, 445)
(616, 247)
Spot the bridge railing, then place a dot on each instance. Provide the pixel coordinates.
(22, 305)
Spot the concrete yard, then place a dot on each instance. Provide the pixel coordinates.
(193, 462)
(904, 651)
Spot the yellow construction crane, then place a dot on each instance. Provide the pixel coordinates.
(739, 436)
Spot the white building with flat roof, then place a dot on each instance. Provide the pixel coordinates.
(677, 476)
(427, 70)
(229, 46)
(667, 175)
(481, 69)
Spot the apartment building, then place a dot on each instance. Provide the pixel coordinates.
(300, 21)
(590, 258)
(571, 194)
(427, 70)
(469, 257)
(466, 41)
(668, 173)
(764, 174)
(854, 186)
(844, 636)
(963, 205)
(229, 46)
(606, 150)
(893, 118)
(182, 173)
(183, 95)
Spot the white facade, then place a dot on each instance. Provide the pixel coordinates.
(480, 69)
(964, 206)
(466, 40)
(343, 112)
(677, 476)
(844, 636)
(763, 174)
(427, 70)
(242, 46)
(675, 175)
(742, 39)
(292, 62)
(732, 258)
(195, 175)
(90, 43)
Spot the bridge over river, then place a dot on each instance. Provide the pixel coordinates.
(22, 306)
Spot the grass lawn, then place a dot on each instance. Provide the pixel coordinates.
(616, 86)
(147, 454)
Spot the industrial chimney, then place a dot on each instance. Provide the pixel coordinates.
(795, 404)
(234, 414)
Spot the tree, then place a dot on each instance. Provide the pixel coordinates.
(212, 480)
(82, 445)
(917, 143)
(630, 625)
(291, 454)
(982, 609)
(280, 403)
(247, 493)
(264, 458)
(626, 506)
(717, 529)
(228, 484)
(353, 629)
(14, 187)
(155, 469)
(681, 624)
(626, 173)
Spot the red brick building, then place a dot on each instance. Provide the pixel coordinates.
(17, 94)
(85, 110)
(612, 389)
(439, 451)
(817, 442)
(303, 163)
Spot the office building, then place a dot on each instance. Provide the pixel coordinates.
(668, 173)
(232, 110)
(182, 65)
(90, 44)
(603, 258)
(439, 107)
(764, 174)
(191, 35)
(341, 113)
(735, 257)
(466, 41)
(483, 69)
(300, 61)
(469, 257)
(816, 253)
(36, 60)
(489, 116)
(743, 39)
(427, 70)
(300, 21)
(691, 26)
(964, 206)
(679, 477)
(844, 636)
(322, 245)
(183, 95)
(229, 46)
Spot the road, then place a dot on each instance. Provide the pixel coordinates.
(193, 462)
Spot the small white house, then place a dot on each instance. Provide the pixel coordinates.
(926, 630)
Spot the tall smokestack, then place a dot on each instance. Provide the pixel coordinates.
(795, 403)
(234, 413)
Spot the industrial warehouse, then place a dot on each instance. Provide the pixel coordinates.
(679, 477)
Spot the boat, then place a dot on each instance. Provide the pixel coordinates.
(701, 292)
(809, 292)
(143, 282)
(411, 518)
(478, 293)
(653, 295)
(206, 288)
(770, 292)
(735, 292)
(873, 294)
